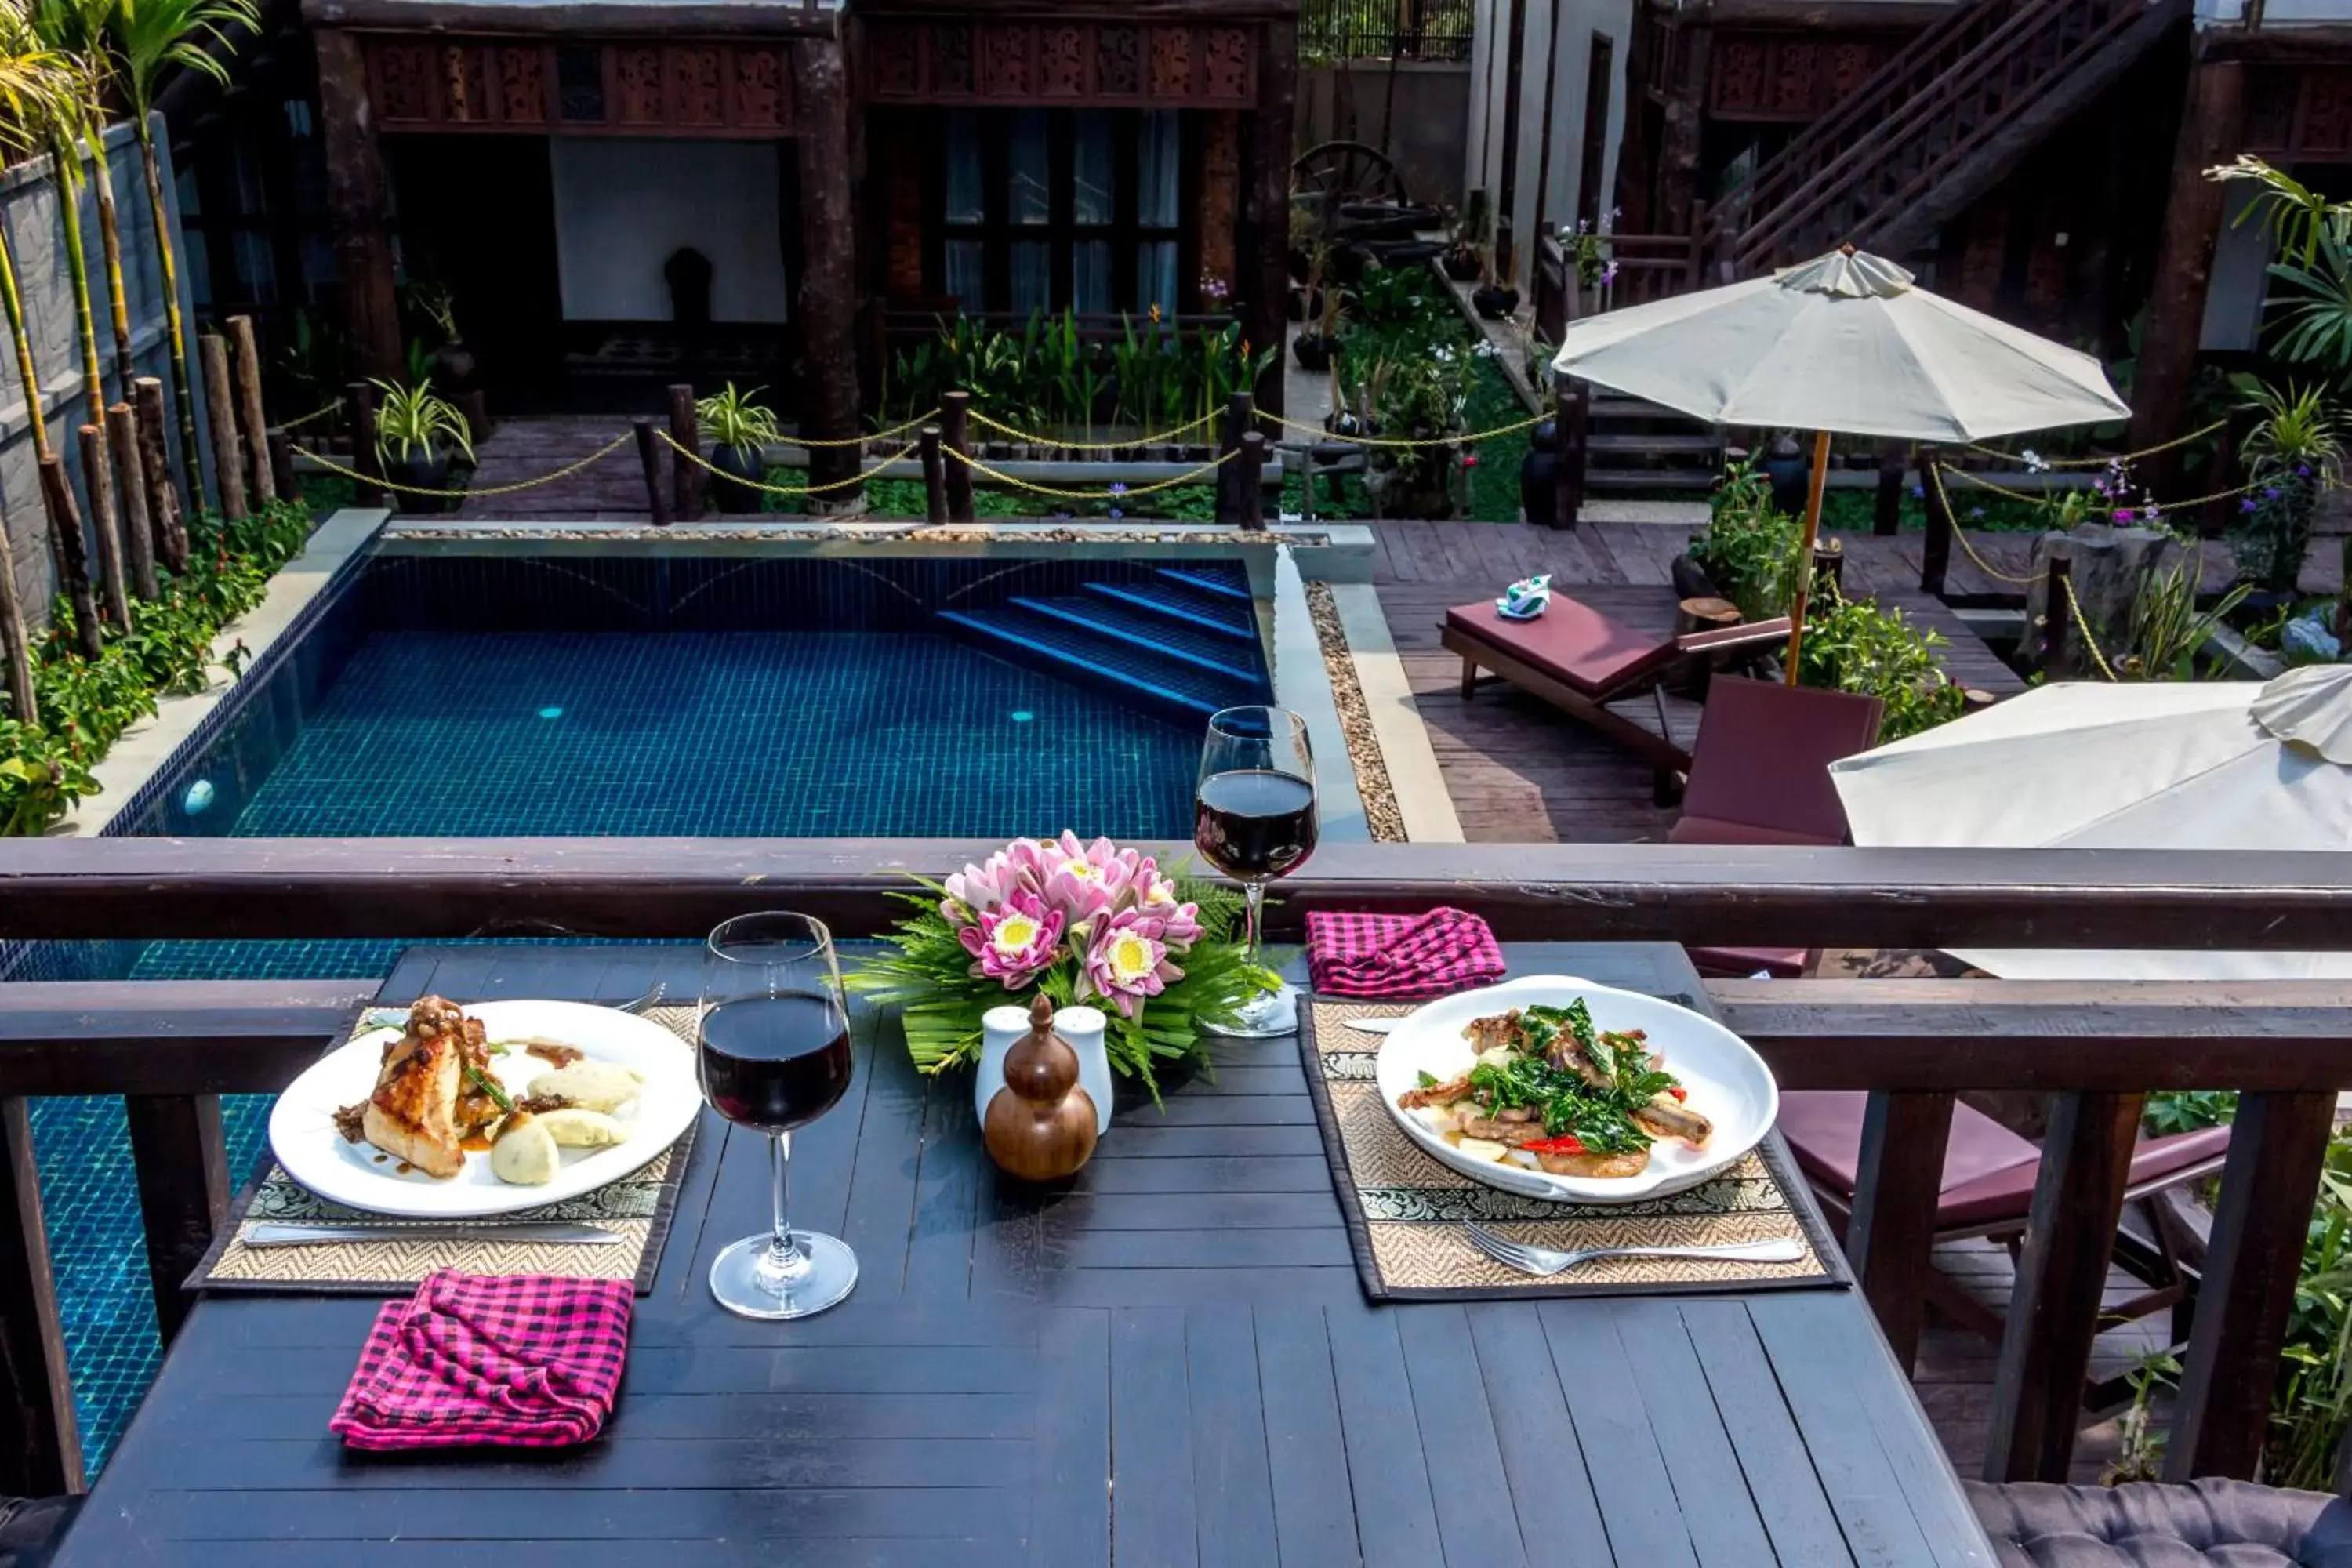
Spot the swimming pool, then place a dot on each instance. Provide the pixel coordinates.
(497, 695)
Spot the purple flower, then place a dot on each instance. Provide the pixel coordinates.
(1976, 512)
(1116, 514)
(1609, 273)
(1118, 489)
(2249, 504)
(1128, 962)
(2303, 471)
(2269, 492)
(1919, 490)
(2123, 514)
(1014, 942)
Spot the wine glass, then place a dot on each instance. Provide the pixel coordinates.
(775, 1055)
(1254, 819)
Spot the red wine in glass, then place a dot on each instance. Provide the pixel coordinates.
(1254, 822)
(774, 1063)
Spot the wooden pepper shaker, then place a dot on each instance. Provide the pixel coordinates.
(1041, 1124)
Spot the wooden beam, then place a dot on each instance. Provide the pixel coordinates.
(828, 302)
(41, 1455)
(2276, 1147)
(358, 204)
(2212, 127)
(564, 18)
(220, 416)
(169, 1036)
(253, 424)
(180, 1162)
(2062, 1278)
(131, 499)
(2037, 1034)
(1264, 276)
(164, 513)
(138, 888)
(1891, 1232)
(1679, 149)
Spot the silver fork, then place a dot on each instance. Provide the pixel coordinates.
(397, 1017)
(1543, 1260)
(645, 1001)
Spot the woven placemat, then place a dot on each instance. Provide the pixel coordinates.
(638, 1207)
(1406, 1212)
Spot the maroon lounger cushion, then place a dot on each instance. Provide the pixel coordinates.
(1593, 654)
(1780, 963)
(1989, 1171)
(1763, 758)
(2226, 1523)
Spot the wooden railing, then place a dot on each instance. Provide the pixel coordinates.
(1649, 267)
(171, 1048)
(1938, 120)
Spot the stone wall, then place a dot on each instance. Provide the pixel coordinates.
(30, 207)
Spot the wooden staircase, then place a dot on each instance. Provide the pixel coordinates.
(1933, 128)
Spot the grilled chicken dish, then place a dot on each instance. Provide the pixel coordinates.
(434, 1091)
(1551, 1092)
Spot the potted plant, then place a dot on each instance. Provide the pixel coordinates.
(1316, 347)
(414, 430)
(2292, 453)
(739, 430)
(1461, 259)
(1494, 301)
(453, 363)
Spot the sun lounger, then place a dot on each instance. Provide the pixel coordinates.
(1583, 662)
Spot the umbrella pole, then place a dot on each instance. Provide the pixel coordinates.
(1812, 532)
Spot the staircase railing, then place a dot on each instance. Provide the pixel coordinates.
(1851, 192)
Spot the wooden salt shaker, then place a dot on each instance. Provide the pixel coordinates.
(1041, 1125)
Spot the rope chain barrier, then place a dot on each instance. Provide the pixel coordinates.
(1468, 438)
(566, 472)
(858, 478)
(857, 440)
(1153, 440)
(318, 413)
(2083, 626)
(2198, 435)
(1122, 494)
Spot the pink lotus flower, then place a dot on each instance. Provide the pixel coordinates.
(1126, 961)
(1015, 941)
(1156, 897)
(978, 888)
(1084, 881)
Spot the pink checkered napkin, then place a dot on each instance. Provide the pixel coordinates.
(1401, 955)
(520, 1360)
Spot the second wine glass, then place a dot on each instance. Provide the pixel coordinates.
(1254, 818)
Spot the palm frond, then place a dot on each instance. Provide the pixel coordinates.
(41, 90)
(154, 36)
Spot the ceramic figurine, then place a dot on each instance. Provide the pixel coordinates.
(1041, 1125)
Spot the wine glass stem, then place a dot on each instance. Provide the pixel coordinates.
(1254, 900)
(779, 1186)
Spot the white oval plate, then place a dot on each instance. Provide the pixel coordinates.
(302, 1130)
(1728, 1083)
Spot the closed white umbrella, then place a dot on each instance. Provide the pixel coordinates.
(2159, 765)
(1846, 344)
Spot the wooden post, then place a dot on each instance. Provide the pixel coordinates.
(1238, 420)
(1886, 511)
(131, 499)
(253, 424)
(2058, 621)
(2213, 122)
(180, 1163)
(73, 556)
(359, 204)
(15, 639)
(1571, 422)
(955, 430)
(2061, 1277)
(1263, 274)
(97, 479)
(1891, 1234)
(649, 458)
(1807, 545)
(1936, 554)
(164, 513)
(475, 406)
(1249, 481)
(1829, 563)
(282, 473)
(220, 410)
(2276, 1146)
(42, 1454)
(935, 480)
(828, 300)
(365, 461)
(685, 477)
(1684, 123)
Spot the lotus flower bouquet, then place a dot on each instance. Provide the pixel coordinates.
(1089, 924)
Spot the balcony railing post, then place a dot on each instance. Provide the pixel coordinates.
(955, 430)
(180, 1163)
(2276, 1147)
(935, 478)
(2061, 1277)
(1891, 1234)
(1935, 553)
(41, 1455)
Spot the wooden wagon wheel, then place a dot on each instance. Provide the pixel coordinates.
(1328, 177)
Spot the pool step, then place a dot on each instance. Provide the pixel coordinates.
(1172, 648)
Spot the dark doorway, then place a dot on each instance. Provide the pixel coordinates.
(476, 215)
(1599, 72)
(1507, 198)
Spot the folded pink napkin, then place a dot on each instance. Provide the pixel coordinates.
(523, 1361)
(1399, 955)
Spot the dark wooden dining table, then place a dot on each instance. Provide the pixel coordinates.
(1168, 1361)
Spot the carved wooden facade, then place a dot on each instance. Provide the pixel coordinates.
(957, 60)
(672, 88)
(2300, 113)
(1792, 75)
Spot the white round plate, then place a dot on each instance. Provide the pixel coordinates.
(302, 1130)
(1728, 1084)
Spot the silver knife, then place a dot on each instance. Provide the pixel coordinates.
(521, 1230)
(1375, 1025)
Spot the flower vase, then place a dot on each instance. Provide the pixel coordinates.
(1081, 1027)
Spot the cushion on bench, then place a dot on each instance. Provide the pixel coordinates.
(1591, 654)
(2203, 1524)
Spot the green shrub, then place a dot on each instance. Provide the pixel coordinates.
(1852, 645)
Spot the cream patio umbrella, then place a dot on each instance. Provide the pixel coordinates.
(2137, 765)
(1844, 344)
